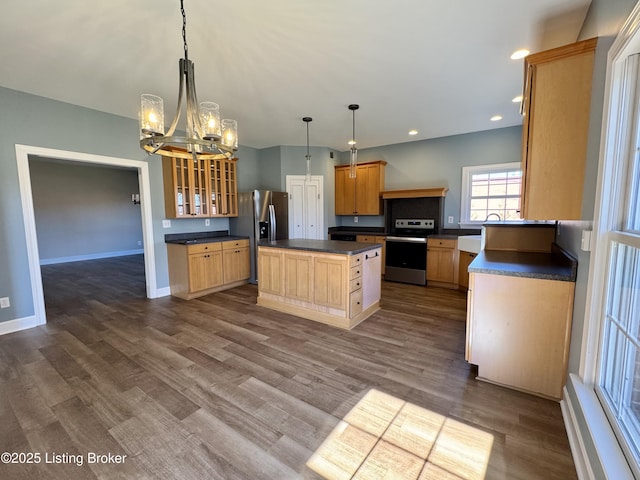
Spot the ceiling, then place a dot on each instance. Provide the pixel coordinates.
(441, 67)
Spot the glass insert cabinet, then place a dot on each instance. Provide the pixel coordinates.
(205, 187)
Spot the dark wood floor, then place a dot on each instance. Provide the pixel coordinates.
(219, 388)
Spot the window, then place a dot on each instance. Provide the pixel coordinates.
(618, 380)
(490, 190)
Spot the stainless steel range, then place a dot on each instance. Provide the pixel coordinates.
(406, 250)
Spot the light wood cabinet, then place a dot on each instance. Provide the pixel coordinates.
(381, 239)
(202, 188)
(336, 289)
(518, 331)
(200, 269)
(556, 106)
(442, 262)
(464, 259)
(360, 195)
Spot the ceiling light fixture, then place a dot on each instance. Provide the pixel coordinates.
(206, 136)
(518, 54)
(517, 99)
(413, 132)
(496, 118)
(308, 155)
(353, 159)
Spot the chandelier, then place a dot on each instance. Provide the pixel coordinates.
(206, 135)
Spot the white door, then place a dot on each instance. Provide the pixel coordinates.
(306, 214)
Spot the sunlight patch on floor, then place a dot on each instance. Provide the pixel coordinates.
(386, 437)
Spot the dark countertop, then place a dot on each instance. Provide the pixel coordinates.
(194, 238)
(557, 265)
(324, 246)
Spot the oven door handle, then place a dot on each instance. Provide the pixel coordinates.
(407, 239)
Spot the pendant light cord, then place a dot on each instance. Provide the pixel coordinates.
(184, 29)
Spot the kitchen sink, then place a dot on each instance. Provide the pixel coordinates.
(470, 243)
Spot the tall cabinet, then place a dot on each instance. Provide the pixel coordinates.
(556, 107)
(360, 195)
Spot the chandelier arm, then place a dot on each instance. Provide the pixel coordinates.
(192, 103)
(174, 124)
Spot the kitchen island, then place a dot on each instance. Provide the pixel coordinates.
(334, 282)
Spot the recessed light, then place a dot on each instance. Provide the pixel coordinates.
(518, 54)
(413, 132)
(495, 118)
(517, 99)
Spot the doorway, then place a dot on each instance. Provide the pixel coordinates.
(23, 152)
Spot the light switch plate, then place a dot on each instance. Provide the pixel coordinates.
(450, 219)
(4, 302)
(166, 223)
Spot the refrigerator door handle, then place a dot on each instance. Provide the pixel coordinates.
(272, 223)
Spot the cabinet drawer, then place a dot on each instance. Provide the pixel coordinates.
(204, 248)
(441, 242)
(355, 303)
(355, 284)
(355, 272)
(356, 260)
(365, 238)
(231, 244)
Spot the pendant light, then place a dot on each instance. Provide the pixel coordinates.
(308, 155)
(353, 159)
(206, 135)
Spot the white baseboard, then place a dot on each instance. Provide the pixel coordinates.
(583, 469)
(18, 324)
(91, 256)
(162, 292)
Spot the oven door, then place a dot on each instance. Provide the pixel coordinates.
(406, 260)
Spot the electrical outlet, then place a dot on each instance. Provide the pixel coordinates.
(450, 219)
(207, 222)
(355, 219)
(4, 302)
(166, 223)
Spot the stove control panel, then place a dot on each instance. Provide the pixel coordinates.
(416, 223)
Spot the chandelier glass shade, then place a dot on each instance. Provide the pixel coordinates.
(207, 136)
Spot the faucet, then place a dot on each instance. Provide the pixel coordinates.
(491, 214)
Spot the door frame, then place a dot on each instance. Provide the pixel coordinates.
(24, 179)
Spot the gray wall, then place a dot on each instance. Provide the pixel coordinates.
(42, 122)
(84, 210)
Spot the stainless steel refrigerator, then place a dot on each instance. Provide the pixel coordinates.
(263, 215)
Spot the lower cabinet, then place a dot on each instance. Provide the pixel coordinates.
(200, 269)
(442, 264)
(514, 338)
(336, 289)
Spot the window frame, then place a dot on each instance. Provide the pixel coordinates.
(465, 197)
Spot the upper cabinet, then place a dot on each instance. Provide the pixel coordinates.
(556, 106)
(201, 188)
(360, 195)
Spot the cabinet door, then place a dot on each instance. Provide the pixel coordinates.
(330, 281)
(205, 271)
(230, 188)
(186, 187)
(440, 264)
(345, 201)
(371, 282)
(555, 131)
(368, 201)
(236, 264)
(270, 271)
(299, 276)
(463, 274)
